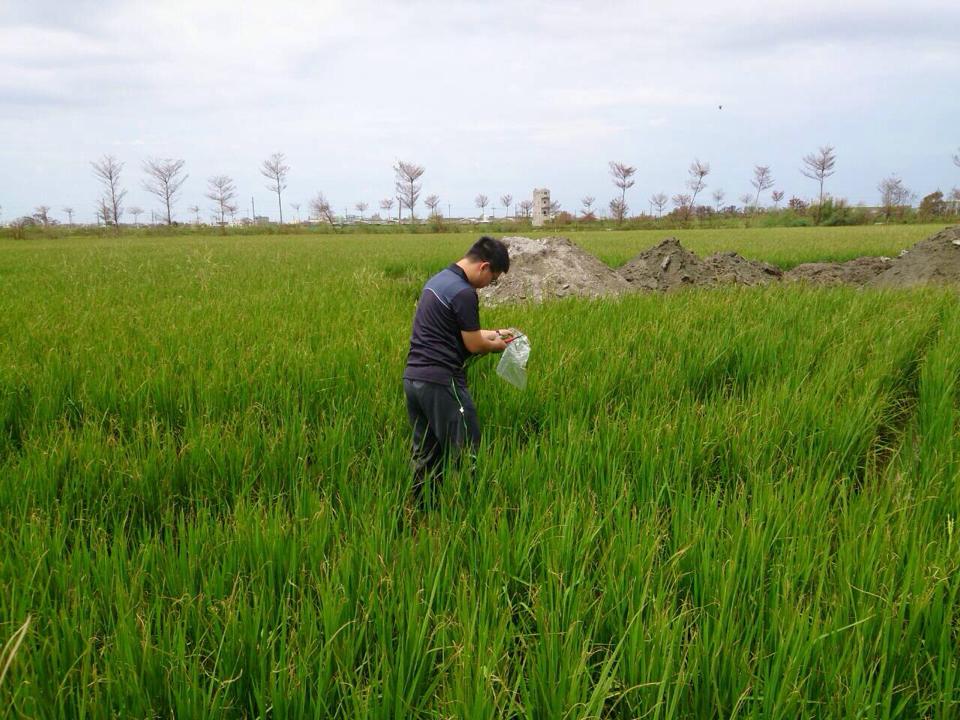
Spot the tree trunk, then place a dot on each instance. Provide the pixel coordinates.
(113, 199)
(820, 204)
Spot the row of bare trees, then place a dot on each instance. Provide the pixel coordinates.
(408, 187)
(818, 166)
(165, 178)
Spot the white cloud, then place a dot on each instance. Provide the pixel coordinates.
(511, 94)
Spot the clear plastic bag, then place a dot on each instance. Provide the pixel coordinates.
(513, 362)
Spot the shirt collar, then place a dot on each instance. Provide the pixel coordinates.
(458, 270)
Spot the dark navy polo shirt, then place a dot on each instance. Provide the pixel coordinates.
(447, 306)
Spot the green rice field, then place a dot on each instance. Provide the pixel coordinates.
(721, 503)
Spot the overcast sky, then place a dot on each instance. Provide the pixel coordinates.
(491, 97)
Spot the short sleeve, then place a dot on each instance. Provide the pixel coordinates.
(466, 308)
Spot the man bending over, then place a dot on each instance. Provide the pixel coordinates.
(446, 333)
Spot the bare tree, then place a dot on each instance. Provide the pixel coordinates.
(431, 202)
(136, 212)
(505, 201)
(819, 166)
(69, 212)
(554, 208)
(361, 207)
(623, 178)
(526, 206)
(745, 199)
(956, 158)
(41, 214)
(408, 189)
(697, 172)
(164, 179)
(296, 209)
(195, 209)
(481, 201)
(762, 180)
(321, 208)
(776, 196)
(683, 203)
(587, 202)
(107, 171)
(718, 196)
(618, 209)
(385, 205)
(893, 195)
(275, 170)
(221, 190)
(659, 201)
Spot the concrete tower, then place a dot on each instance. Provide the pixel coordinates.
(541, 206)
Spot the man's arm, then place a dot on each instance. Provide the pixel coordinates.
(483, 341)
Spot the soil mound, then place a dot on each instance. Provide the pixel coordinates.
(853, 272)
(669, 265)
(666, 266)
(934, 260)
(729, 267)
(553, 267)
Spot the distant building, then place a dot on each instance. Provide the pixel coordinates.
(541, 206)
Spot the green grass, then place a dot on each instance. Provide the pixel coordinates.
(724, 503)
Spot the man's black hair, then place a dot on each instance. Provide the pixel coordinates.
(491, 250)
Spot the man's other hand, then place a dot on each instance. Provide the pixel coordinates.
(483, 341)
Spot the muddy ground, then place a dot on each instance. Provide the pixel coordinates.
(853, 272)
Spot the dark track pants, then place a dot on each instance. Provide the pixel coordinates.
(445, 424)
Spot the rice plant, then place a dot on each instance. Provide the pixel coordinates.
(718, 503)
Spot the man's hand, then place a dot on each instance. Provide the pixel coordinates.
(498, 343)
(495, 337)
(483, 341)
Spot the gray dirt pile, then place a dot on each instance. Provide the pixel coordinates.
(729, 267)
(931, 261)
(669, 266)
(553, 267)
(666, 266)
(853, 272)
